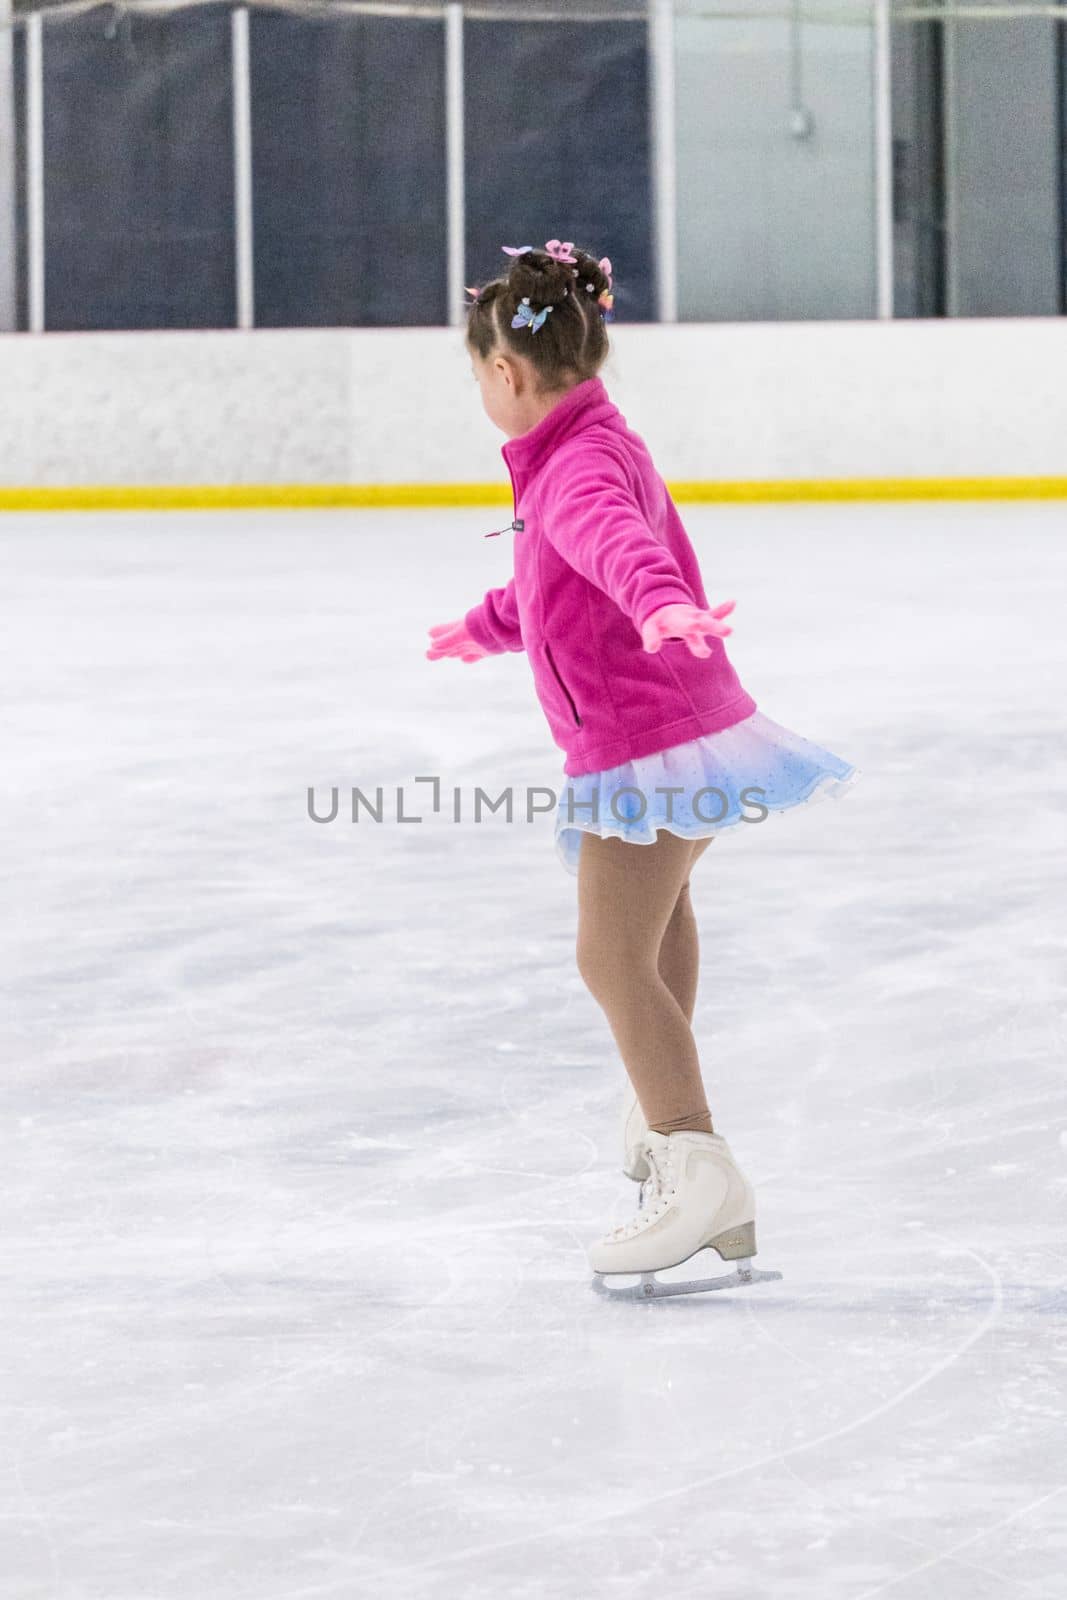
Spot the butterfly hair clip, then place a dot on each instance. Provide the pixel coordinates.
(525, 317)
(516, 249)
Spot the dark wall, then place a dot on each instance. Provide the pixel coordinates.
(138, 171)
(348, 135)
(557, 141)
(349, 164)
(919, 238)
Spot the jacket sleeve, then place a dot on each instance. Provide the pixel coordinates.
(494, 622)
(593, 519)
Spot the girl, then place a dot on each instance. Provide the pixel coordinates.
(663, 745)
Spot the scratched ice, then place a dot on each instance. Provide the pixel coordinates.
(307, 1124)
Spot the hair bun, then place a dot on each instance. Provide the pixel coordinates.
(509, 314)
(541, 276)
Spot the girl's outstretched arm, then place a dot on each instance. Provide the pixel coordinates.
(494, 622)
(594, 521)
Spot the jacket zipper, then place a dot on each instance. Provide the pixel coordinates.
(563, 686)
(516, 525)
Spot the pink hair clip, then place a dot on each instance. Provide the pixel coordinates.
(516, 250)
(605, 267)
(560, 251)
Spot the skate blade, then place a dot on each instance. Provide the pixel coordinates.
(652, 1288)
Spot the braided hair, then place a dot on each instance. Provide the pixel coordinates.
(571, 339)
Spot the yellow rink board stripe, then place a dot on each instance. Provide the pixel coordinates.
(287, 496)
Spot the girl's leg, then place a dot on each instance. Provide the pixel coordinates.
(679, 953)
(627, 894)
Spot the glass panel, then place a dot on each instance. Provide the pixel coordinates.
(776, 203)
(348, 142)
(557, 135)
(1003, 137)
(138, 170)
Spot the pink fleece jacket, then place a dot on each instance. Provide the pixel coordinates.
(599, 546)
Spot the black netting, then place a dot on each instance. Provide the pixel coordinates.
(557, 127)
(348, 134)
(349, 182)
(138, 170)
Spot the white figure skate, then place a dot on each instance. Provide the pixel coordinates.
(634, 1130)
(695, 1197)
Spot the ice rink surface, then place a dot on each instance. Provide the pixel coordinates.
(307, 1125)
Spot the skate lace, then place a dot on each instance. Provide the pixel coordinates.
(655, 1196)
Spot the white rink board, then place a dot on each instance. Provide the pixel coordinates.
(726, 402)
(307, 1125)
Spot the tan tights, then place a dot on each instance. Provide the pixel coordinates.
(639, 956)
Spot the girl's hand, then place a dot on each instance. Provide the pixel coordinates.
(452, 639)
(686, 622)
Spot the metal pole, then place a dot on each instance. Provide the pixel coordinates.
(8, 181)
(950, 125)
(242, 169)
(883, 160)
(455, 193)
(664, 158)
(35, 172)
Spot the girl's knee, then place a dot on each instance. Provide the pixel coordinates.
(587, 957)
(608, 962)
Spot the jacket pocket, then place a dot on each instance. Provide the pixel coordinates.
(563, 686)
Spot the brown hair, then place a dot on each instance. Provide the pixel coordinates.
(572, 338)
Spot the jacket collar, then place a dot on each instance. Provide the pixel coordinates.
(585, 404)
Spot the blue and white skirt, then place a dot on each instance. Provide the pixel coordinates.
(737, 775)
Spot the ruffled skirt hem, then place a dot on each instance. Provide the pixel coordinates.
(756, 764)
